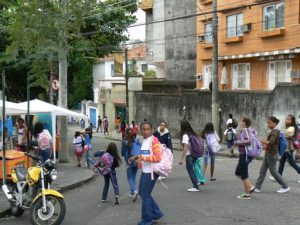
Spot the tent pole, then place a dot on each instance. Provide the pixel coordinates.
(3, 129)
(28, 111)
(54, 135)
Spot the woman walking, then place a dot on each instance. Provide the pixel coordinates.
(186, 132)
(128, 150)
(270, 159)
(241, 171)
(78, 142)
(88, 143)
(151, 153)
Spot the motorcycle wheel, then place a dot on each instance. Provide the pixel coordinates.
(16, 210)
(54, 215)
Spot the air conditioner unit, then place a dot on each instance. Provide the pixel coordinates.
(199, 77)
(246, 28)
(201, 38)
(295, 74)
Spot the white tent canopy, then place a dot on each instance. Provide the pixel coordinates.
(38, 106)
(12, 108)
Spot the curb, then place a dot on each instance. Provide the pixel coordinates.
(60, 189)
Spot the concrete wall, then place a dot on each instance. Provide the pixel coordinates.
(284, 100)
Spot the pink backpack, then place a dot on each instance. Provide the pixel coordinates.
(104, 164)
(164, 167)
(44, 140)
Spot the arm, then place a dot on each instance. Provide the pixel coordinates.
(183, 153)
(246, 139)
(272, 140)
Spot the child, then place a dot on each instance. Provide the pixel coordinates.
(127, 151)
(241, 171)
(186, 132)
(88, 142)
(209, 129)
(113, 151)
(230, 135)
(290, 135)
(150, 210)
(270, 159)
(78, 144)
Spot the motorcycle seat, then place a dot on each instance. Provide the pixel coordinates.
(21, 173)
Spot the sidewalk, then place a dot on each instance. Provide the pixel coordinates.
(69, 177)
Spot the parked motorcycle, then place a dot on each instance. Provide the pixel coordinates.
(30, 190)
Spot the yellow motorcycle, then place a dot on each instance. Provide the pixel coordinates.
(30, 190)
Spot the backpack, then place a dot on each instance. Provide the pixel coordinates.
(164, 167)
(44, 140)
(235, 123)
(213, 143)
(282, 144)
(196, 146)
(104, 164)
(230, 135)
(255, 148)
(296, 142)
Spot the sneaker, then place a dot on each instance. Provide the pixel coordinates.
(193, 190)
(252, 190)
(130, 196)
(272, 178)
(257, 190)
(135, 196)
(244, 196)
(283, 190)
(103, 200)
(298, 182)
(117, 200)
(161, 178)
(213, 179)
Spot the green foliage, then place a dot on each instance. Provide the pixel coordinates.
(33, 34)
(150, 74)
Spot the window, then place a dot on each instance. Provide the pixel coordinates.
(208, 33)
(207, 78)
(234, 24)
(279, 71)
(144, 68)
(274, 16)
(112, 69)
(241, 76)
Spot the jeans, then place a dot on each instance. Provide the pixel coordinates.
(190, 169)
(112, 176)
(87, 157)
(150, 210)
(131, 177)
(290, 157)
(99, 127)
(269, 162)
(45, 154)
(209, 154)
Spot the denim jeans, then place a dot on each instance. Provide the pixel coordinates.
(87, 158)
(131, 177)
(190, 169)
(112, 176)
(150, 210)
(45, 154)
(290, 157)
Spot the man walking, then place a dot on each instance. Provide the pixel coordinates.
(99, 124)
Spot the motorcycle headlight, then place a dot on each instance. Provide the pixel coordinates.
(54, 174)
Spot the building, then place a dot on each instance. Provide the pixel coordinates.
(170, 44)
(110, 83)
(259, 43)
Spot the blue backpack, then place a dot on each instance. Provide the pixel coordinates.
(196, 146)
(282, 144)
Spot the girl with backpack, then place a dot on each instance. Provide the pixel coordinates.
(44, 140)
(290, 135)
(129, 146)
(270, 158)
(88, 143)
(212, 142)
(112, 176)
(230, 135)
(187, 132)
(79, 143)
(150, 153)
(241, 171)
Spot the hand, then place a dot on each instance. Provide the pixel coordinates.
(180, 162)
(133, 158)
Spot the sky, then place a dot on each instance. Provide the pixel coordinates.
(138, 32)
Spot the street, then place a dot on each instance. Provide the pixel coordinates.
(216, 203)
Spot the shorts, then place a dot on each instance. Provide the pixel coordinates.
(79, 151)
(209, 154)
(230, 144)
(242, 166)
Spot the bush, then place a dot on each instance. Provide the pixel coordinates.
(150, 74)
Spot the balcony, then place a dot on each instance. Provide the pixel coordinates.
(205, 2)
(232, 40)
(273, 33)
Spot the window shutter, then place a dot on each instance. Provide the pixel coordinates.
(272, 74)
(235, 69)
(288, 71)
(248, 76)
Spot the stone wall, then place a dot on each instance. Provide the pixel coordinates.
(284, 100)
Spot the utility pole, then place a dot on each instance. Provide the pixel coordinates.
(63, 89)
(127, 78)
(215, 79)
(3, 129)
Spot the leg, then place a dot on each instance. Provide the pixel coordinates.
(282, 163)
(105, 188)
(114, 181)
(190, 169)
(205, 162)
(212, 164)
(150, 210)
(272, 167)
(131, 180)
(262, 173)
(292, 162)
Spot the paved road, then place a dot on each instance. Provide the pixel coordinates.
(216, 204)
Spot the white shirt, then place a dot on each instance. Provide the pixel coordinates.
(77, 141)
(145, 149)
(186, 140)
(233, 130)
(229, 121)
